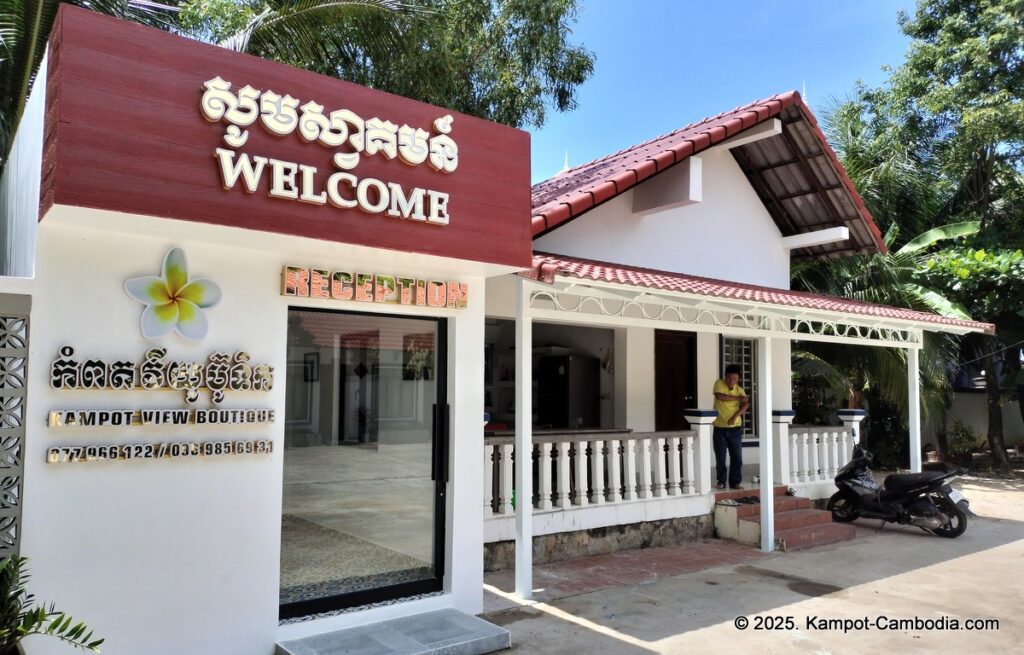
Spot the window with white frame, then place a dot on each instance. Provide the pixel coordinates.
(743, 352)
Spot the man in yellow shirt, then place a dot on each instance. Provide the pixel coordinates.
(730, 403)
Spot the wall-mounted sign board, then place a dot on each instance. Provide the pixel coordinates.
(145, 122)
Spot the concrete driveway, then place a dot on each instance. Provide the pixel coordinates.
(897, 574)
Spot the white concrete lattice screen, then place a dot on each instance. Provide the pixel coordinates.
(14, 330)
(580, 470)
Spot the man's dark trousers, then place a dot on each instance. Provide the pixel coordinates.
(731, 440)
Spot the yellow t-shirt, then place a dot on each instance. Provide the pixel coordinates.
(727, 408)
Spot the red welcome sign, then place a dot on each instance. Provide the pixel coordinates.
(144, 122)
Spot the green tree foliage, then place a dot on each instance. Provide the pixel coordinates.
(941, 143)
(503, 60)
(991, 285)
(964, 81)
(323, 35)
(861, 373)
(24, 31)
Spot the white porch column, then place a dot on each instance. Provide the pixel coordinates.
(781, 420)
(524, 442)
(701, 420)
(914, 409)
(851, 418)
(766, 460)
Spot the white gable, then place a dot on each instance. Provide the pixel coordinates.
(728, 234)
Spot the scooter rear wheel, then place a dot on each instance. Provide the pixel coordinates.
(957, 518)
(843, 508)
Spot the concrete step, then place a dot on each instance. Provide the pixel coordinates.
(810, 536)
(729, 517)
(779, 490)
(782, 504)
(446, 631)
(748, 531)
(796, 518)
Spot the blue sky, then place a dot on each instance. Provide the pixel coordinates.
(661, 64)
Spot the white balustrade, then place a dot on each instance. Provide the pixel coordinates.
(816, 453)
(629, 468)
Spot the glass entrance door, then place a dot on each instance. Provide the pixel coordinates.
(364, 460)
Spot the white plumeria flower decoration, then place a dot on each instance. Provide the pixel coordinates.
(173, 301)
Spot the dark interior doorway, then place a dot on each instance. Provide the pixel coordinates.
(675, 378)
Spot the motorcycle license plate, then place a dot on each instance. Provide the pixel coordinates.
(955, 495)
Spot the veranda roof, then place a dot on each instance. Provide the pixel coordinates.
(796, 175)
(747, 297)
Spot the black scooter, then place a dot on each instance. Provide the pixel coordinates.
(922, 499)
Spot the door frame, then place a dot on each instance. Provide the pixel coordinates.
(441, 437)
(679, 336)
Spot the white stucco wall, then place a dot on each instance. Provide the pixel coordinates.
(19, 187)
(972, 409)
(166, 557)
(728, 235)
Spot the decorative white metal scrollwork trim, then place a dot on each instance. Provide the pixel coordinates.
(641, 307)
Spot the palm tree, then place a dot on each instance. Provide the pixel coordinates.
(24, 31)
(905, 198)
(887, 279)
(320, 35)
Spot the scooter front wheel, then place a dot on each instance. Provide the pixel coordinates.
(843, 508)
(957, 518)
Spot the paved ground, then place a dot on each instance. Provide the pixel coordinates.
(624, 607)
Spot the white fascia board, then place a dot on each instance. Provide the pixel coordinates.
(765, 130)
(816, 238)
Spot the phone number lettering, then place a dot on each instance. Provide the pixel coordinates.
(163, 450)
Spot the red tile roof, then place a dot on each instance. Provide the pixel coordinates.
(547, 266)
(578, 190)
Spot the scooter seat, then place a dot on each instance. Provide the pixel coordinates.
(901, 481)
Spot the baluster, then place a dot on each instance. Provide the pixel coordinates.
(544, 476)
(826, 455)
(674, 483)
(505, 478)
(581, 474)
(690, 482)
(629, 485)
(563, 497)
(835, 454)
(614, 464)
(488, 480)
(815, 447)
(645, 468)
(845, 448)
(658, 466)
(805, 467)
(794, 458)
(597, 472)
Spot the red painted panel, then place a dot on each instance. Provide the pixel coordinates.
(125, 133)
